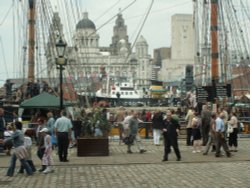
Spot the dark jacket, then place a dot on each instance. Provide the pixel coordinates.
(205, 118)
(157, 121)
(171, 127)
(2, 123)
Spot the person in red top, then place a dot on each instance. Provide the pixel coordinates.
(148, 116)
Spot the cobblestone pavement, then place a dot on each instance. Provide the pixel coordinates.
(139, 170)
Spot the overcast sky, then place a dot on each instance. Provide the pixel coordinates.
(156, 30)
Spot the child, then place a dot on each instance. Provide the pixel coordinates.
(40, 142)
(47, 160)
(27, 145)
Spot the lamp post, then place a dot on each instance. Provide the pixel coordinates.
(61, 61)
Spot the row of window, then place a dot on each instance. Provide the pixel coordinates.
(124, 93)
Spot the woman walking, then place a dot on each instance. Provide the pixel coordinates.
(196, 125)
(233, 137)
(157, 124)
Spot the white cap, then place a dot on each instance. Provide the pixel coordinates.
(44, 130)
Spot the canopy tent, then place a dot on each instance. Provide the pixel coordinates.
(157, 91)
(44, 100)
(245, 98)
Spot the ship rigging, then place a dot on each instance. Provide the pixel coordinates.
(228, 58)
(222, 42)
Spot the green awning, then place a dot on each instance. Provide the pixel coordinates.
(44, 100)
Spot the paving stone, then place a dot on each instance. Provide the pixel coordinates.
(122, 170)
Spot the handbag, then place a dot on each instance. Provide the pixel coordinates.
(229, 128)
(128, 140)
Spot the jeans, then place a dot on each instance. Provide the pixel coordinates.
(32, 166)
(12, 166)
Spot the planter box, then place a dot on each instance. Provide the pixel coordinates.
(92, 147)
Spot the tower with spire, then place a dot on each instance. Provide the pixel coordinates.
(119, 33)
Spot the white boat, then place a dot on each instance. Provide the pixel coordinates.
(123, 90)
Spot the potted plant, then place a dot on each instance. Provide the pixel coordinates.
(94, 137)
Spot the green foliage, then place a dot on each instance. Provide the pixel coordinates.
(96, 124)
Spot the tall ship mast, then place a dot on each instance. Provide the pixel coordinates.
(214, 42)
(31, 49)
(222, 44)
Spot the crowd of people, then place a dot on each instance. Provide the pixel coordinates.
(18, 139)
(211, 129)
(204, 131)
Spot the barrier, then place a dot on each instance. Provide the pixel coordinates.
(246, 123)
(147, 126)
(145, 130)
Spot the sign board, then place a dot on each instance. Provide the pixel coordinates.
(223, 90)
(209, 93)
(205, 93)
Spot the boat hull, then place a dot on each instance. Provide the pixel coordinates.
(114, 102)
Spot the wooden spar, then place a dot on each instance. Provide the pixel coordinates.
(214, 40)
(31, 49)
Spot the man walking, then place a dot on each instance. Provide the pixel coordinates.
(205, 124)
(220, 136)
(133, 133)
(170, 130)
(63, 128)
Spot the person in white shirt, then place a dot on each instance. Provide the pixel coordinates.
(233, 137)
(125, 123)
(220, 136)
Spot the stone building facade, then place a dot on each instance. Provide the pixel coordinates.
(91, 66)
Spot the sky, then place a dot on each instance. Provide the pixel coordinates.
(156, 29)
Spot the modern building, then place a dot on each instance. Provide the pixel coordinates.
(159, 55)
(182, 49)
